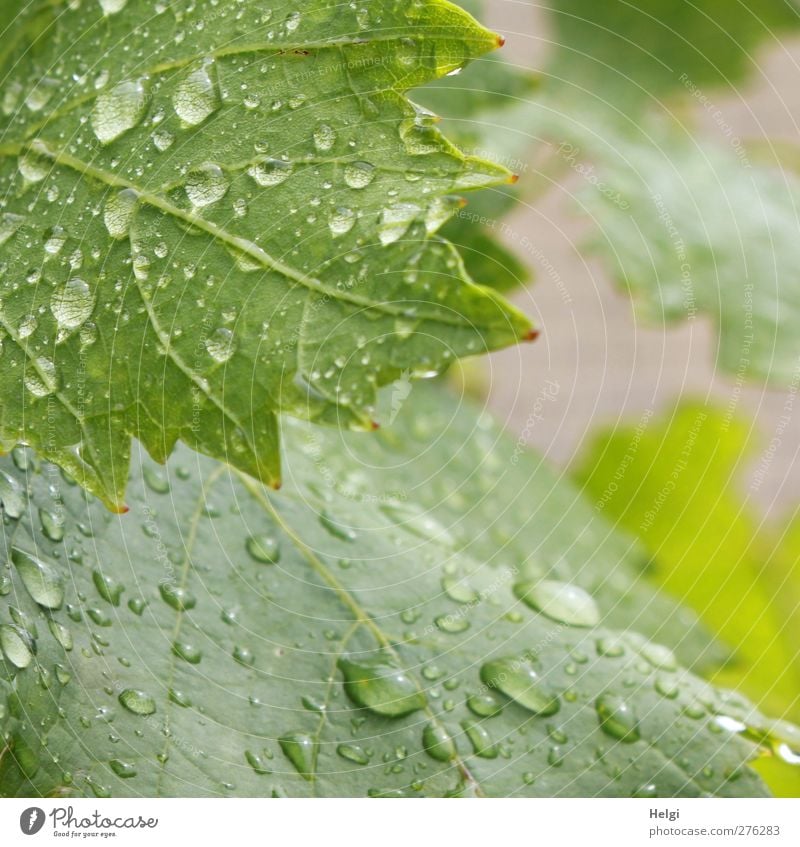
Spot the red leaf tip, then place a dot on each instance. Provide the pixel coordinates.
(531, 335)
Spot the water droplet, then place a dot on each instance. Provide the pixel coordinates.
(33, 166)
(256, 762)
(452, 624)
(119, 109)
(12, 496)
(9, 226)
(324, 137)
(72, 304)
(264, 548)
(459, 591)
(196, 96)
(107, 587)
(341, 221)
(336, 529)
(17, 645)
(179, 598)
(52, 525)
(221, 345)
(560, 601)
(437, 742)
(179, 698)
(270, 172)
(118, 213)
(617, 718)
(299, 750)
(484, 705)
(667, 687)
(359, 175)
(111, 7)
(188, 652)
(206, 185)
(43, 583)
(61, 634)
(124, 770)
(138, 702)
(479, 738)
(395, 221)
(518, 680)
(659, 656)
(244, 656)
(380, 686)
(353, 753)
(155, 480)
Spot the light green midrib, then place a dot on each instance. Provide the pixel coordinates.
(347, 599)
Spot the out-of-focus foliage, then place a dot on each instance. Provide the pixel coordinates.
(677, 486)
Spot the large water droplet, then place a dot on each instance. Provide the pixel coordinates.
(52, 525)
(188, 652)
(516, 679)
(72, 304)
(111, 7)
(206, 185)
(299, 750)
(40, 377)
(119, 109)
(380, 686)
(560, 601)
(395, 221)
(138, 702)
(43, 583)
(484, 705)
(196, 96)
(60, 633)
(617, 718)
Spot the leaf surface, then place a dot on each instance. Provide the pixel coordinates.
(210, 216)
(221, 639)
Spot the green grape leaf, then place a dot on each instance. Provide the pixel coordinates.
(487, 111)
(212, 215)
(681, 494)
(632, 53)
(696, 230)
(225, 640)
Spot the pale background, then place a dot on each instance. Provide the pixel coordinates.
(610, 368)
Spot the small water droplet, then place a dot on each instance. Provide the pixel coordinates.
(256, 762)
(181, 599)
(72, 304)
(206, 185)
(560, 601)
(124, 770)
(484, 705)
(42, 582)
(516, 679)
(119, 109)
(353, 753)
(480, 739)
(118, 213)
(341, 220)
(264, 548)
(196, 96)
(188, 652)
(359, 175)
(324, 137)
(380, 686)
(270, 172)
(138, 702)
(17, 645)
(617, 718)
(221, 345)
(61, 634)
(437, 742)
(107, 587)
(299, 750)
